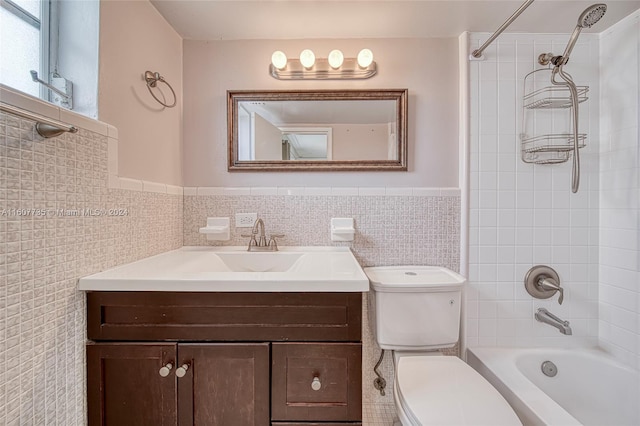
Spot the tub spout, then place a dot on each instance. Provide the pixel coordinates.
(547, 317)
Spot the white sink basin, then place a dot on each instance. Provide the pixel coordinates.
(234, 269)
(280, 261)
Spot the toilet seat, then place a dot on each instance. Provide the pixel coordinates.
(444, 390)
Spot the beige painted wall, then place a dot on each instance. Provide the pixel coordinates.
(360, 141)
(134, 38)
(268, 139)
(427, 67)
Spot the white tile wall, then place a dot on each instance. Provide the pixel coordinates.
(521, 214)
(619, 321)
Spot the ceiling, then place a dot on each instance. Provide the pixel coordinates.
(292, 113)
(315, 19)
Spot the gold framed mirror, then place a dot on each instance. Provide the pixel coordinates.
(317, 130)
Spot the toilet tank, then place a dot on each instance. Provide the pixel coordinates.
(414, 307)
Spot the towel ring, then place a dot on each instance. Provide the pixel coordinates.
(152, 79)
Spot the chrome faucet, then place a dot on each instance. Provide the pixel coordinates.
(547, 317)
(259, 226)
(260, 243)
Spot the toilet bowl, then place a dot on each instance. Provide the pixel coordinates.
(414, 311)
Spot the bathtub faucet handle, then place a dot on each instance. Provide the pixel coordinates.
(543, 282)
(549, 283)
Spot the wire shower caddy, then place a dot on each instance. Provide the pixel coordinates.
(550, 147)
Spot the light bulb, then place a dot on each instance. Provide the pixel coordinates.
(279, 59)
(307, 58)
(365, 58)
(336, 58)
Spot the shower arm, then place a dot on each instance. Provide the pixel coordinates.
(570, 45)
(476, 54)
(568, 82)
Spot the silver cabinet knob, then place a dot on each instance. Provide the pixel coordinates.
(164, 371)
(182, 370)
(316, 384)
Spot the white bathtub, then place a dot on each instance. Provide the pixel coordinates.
(590, 388)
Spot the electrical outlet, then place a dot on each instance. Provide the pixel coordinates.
(246, 220)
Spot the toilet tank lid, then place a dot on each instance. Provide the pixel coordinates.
(412, 277)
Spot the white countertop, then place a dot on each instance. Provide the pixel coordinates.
(201, 269)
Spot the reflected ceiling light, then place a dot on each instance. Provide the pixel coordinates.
(335, 67)
(279, 59)
(335, 58)
(307, 58)
(365, 58)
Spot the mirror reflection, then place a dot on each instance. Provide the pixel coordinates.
(346, 130)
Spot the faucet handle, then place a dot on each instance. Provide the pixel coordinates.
(252, 241)
(551, 284)
(272, 241)
(542, 282)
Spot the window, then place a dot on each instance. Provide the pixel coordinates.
(58, 41)
(45, 45)
(24, 44)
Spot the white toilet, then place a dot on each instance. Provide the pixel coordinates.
(414, 310)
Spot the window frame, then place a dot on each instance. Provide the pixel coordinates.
(47, 29)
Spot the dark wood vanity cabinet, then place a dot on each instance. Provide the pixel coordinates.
(230, 359)
(125, 384)
(124, 387)
(315, 381)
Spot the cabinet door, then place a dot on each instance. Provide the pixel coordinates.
(316, 382)
(225, 384)
(125, 387)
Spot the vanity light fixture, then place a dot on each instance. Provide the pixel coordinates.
(334, 67)
(365, 58)
(279, 59)
(336, 59)
(307, 58)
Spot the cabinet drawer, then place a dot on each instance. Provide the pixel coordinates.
(153, 316)
(338, 389)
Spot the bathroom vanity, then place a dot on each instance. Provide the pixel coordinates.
(223, 357)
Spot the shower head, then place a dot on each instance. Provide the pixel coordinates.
(588, 18)
(591, 15)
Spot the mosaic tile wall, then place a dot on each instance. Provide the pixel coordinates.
(47, 242)
(391, 230)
